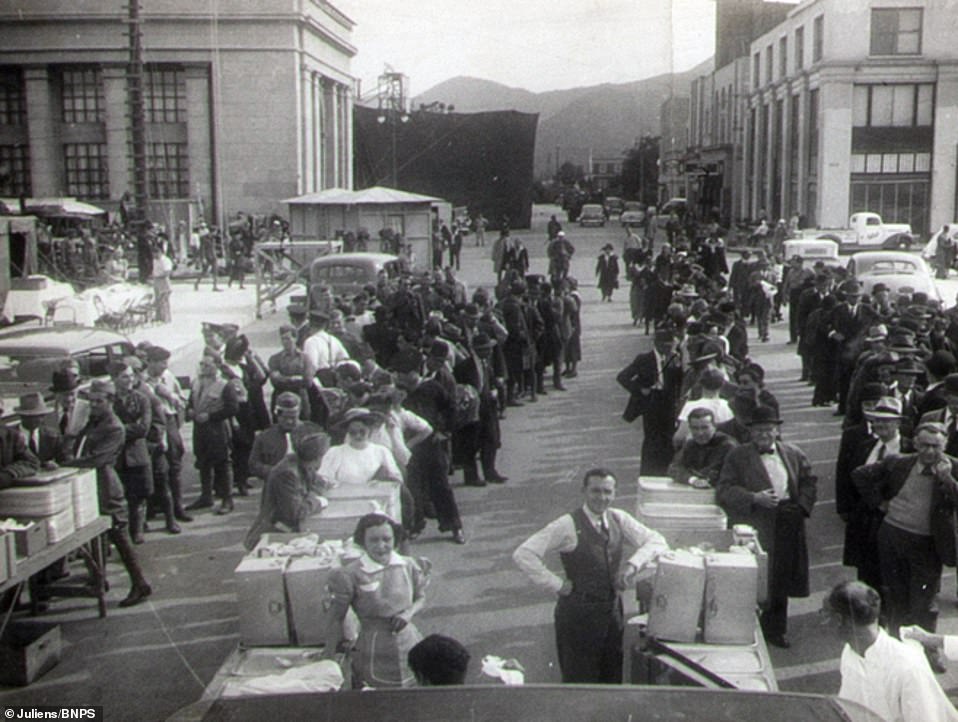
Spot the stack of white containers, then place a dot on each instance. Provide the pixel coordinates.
(348, 503)
(681, 513)
(86, 504)
(49, 499)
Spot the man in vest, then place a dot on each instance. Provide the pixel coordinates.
(588, 613)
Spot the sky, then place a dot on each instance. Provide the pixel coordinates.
(537, 45)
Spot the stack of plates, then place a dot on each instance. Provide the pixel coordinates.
(59, 526)
(37, 501)
(86, 505)
(682, 516)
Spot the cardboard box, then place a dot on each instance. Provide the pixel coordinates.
(664, 490)
(86, 504)
(731, 583)
(31, 540)
(9, 551)
(380, 496)
(306, 589)
(27, 652)
(261, 599)
(677, 596)
(60, 526)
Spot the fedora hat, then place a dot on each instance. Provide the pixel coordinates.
(764, 415)
(64, 383)
(878, 332)
(887, 407)
(32, 404)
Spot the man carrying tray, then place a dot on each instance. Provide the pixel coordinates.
(588, 613)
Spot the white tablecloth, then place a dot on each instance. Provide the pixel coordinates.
(32, 302)
(82, 308)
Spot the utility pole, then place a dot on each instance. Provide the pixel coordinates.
(392, 110)
(134, 89)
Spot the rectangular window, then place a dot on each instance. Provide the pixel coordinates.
(906, 163)
(14, 170)
(896, 31)
(922, 162)
(86, 170)
(799, 48)
(902, 105)
(756, 67)
(896, 201)
(82, 95)
(783, 57)
(168, 170)
(818, 38)
(769, 64)
(923, 105)
(164, 95)
(860, 106)
(13, 106)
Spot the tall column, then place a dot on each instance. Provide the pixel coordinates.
(943, 174)
(769, 149)
(305, 159)
(834, 149)
(785, 149)
(348, 137)
(116, 112)
(802, 153)
(199, 135)
(337, 132)
(43, 125)
(329, 131)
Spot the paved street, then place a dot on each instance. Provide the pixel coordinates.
(146, 662)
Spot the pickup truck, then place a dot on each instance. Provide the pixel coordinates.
(865, 230)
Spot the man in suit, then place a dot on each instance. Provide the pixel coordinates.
(865, 443)
(588, 612)
(849, 320)
(947, 416)
(918, 493)
(481, 438)
(43, 441)
(654, 381)
(937, 368)
(769, 485)
(700, 459)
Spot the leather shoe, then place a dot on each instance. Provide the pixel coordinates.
(201, 503)
(514, 404)
(475, 482)
(779, 640)
(497, 478)
(225, 507)
(137, 595)
(181, 515)
(173, 528)
(458, 537)
(559, 387)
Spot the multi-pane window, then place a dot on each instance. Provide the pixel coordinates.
(13, 107)
(82, 94)
(818, 38)
(799, 48)
(769, 63)
(782, 57)
(165, 95)
(891, 163)
(14, 170)
(898, 105)
(898, 201)
(168, 170)
(896, 31)
(756, 67)
(85, 169)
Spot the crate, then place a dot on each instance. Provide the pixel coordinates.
(261, 600)
(27, 652)
(30, 540)
(86, 504)
(664, 490)
(306, 589)
(381, 496)
(677, 596)
(731, 585)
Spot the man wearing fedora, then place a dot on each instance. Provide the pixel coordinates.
(768, 484)
(874, 439)
(98, 447)
(948, 415)
(607, 272)
(848, 321)
(43, 441)
(482, 437)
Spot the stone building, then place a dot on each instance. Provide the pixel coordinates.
(247, 102)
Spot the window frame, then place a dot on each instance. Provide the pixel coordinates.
(86, 174)
(874, 48)
(81, 95)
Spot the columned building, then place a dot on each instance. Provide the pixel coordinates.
(247, 102)
(853, 106)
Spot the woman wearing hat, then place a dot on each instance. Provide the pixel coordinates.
(358, 460)
(607, 272)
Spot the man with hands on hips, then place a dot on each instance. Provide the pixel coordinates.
(588, 613)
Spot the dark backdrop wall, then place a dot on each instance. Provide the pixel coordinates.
(480, 160)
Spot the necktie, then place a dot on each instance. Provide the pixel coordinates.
(926, 471)
(63, 423)
(603, 527)
(881, 452)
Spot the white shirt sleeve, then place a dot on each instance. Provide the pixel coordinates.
(558, 536)
(413, 424)
(951, 646)
(649, 542)
(329, 467)
(315, 352)
(388, 463)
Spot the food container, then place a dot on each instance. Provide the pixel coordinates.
(677, 595)
(731, 582)
(261, 601)
(664, 490)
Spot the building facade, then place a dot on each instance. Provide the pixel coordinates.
(853, 106)
(247, 102)
(605, 169)
(673, 147)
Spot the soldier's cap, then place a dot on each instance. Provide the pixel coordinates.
(100, 388)
(288, 401)
(157, 353)
(311, 447)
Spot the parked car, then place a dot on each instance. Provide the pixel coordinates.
(614, 206)
(673, 205)
(931, 248)
(29, 356)
(866, 230)
(592, 214)
(896, 269)
(814, 251)
(347, 273)
(633, 214)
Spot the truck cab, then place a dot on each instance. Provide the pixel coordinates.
(866, 230)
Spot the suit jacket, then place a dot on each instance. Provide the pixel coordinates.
(879, 483)
(50, 443)
(136, 414)
(808, 301)
(856, 444)
(931, 400)
(781, 530)
(100, 443)
(641, 375)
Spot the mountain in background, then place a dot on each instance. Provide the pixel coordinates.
(602, 119)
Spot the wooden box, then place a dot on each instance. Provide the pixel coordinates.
(27, 652)
(664, 490)
(31, 540)
(306, 589)
(677, 596)
(380, 496)
(261, 600)
(731, 582)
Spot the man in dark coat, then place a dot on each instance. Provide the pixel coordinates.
(738, 280)
(654, 381)
(918, 493)
(481, 438)
(607, 272)
(862, 444)
(518, 342)
(809, 299)
(849, 320)
(702, 455)
(769, 485)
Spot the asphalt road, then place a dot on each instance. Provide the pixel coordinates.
(146, 662)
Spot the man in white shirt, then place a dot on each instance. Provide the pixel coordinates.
(588, 614)
(889, 677)
(323, 349)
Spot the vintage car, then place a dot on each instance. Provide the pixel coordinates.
(613, 206)
(633, 214)
(896, 269)
(347, 273)
(592, 214)
(813, 251)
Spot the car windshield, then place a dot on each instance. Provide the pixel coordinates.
(633, 206)
(591, 209)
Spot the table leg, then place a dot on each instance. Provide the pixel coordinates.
(14, 596)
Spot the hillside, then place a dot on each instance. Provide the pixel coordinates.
(605, 118)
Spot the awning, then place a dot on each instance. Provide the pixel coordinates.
(54, 207)
(377, 195)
